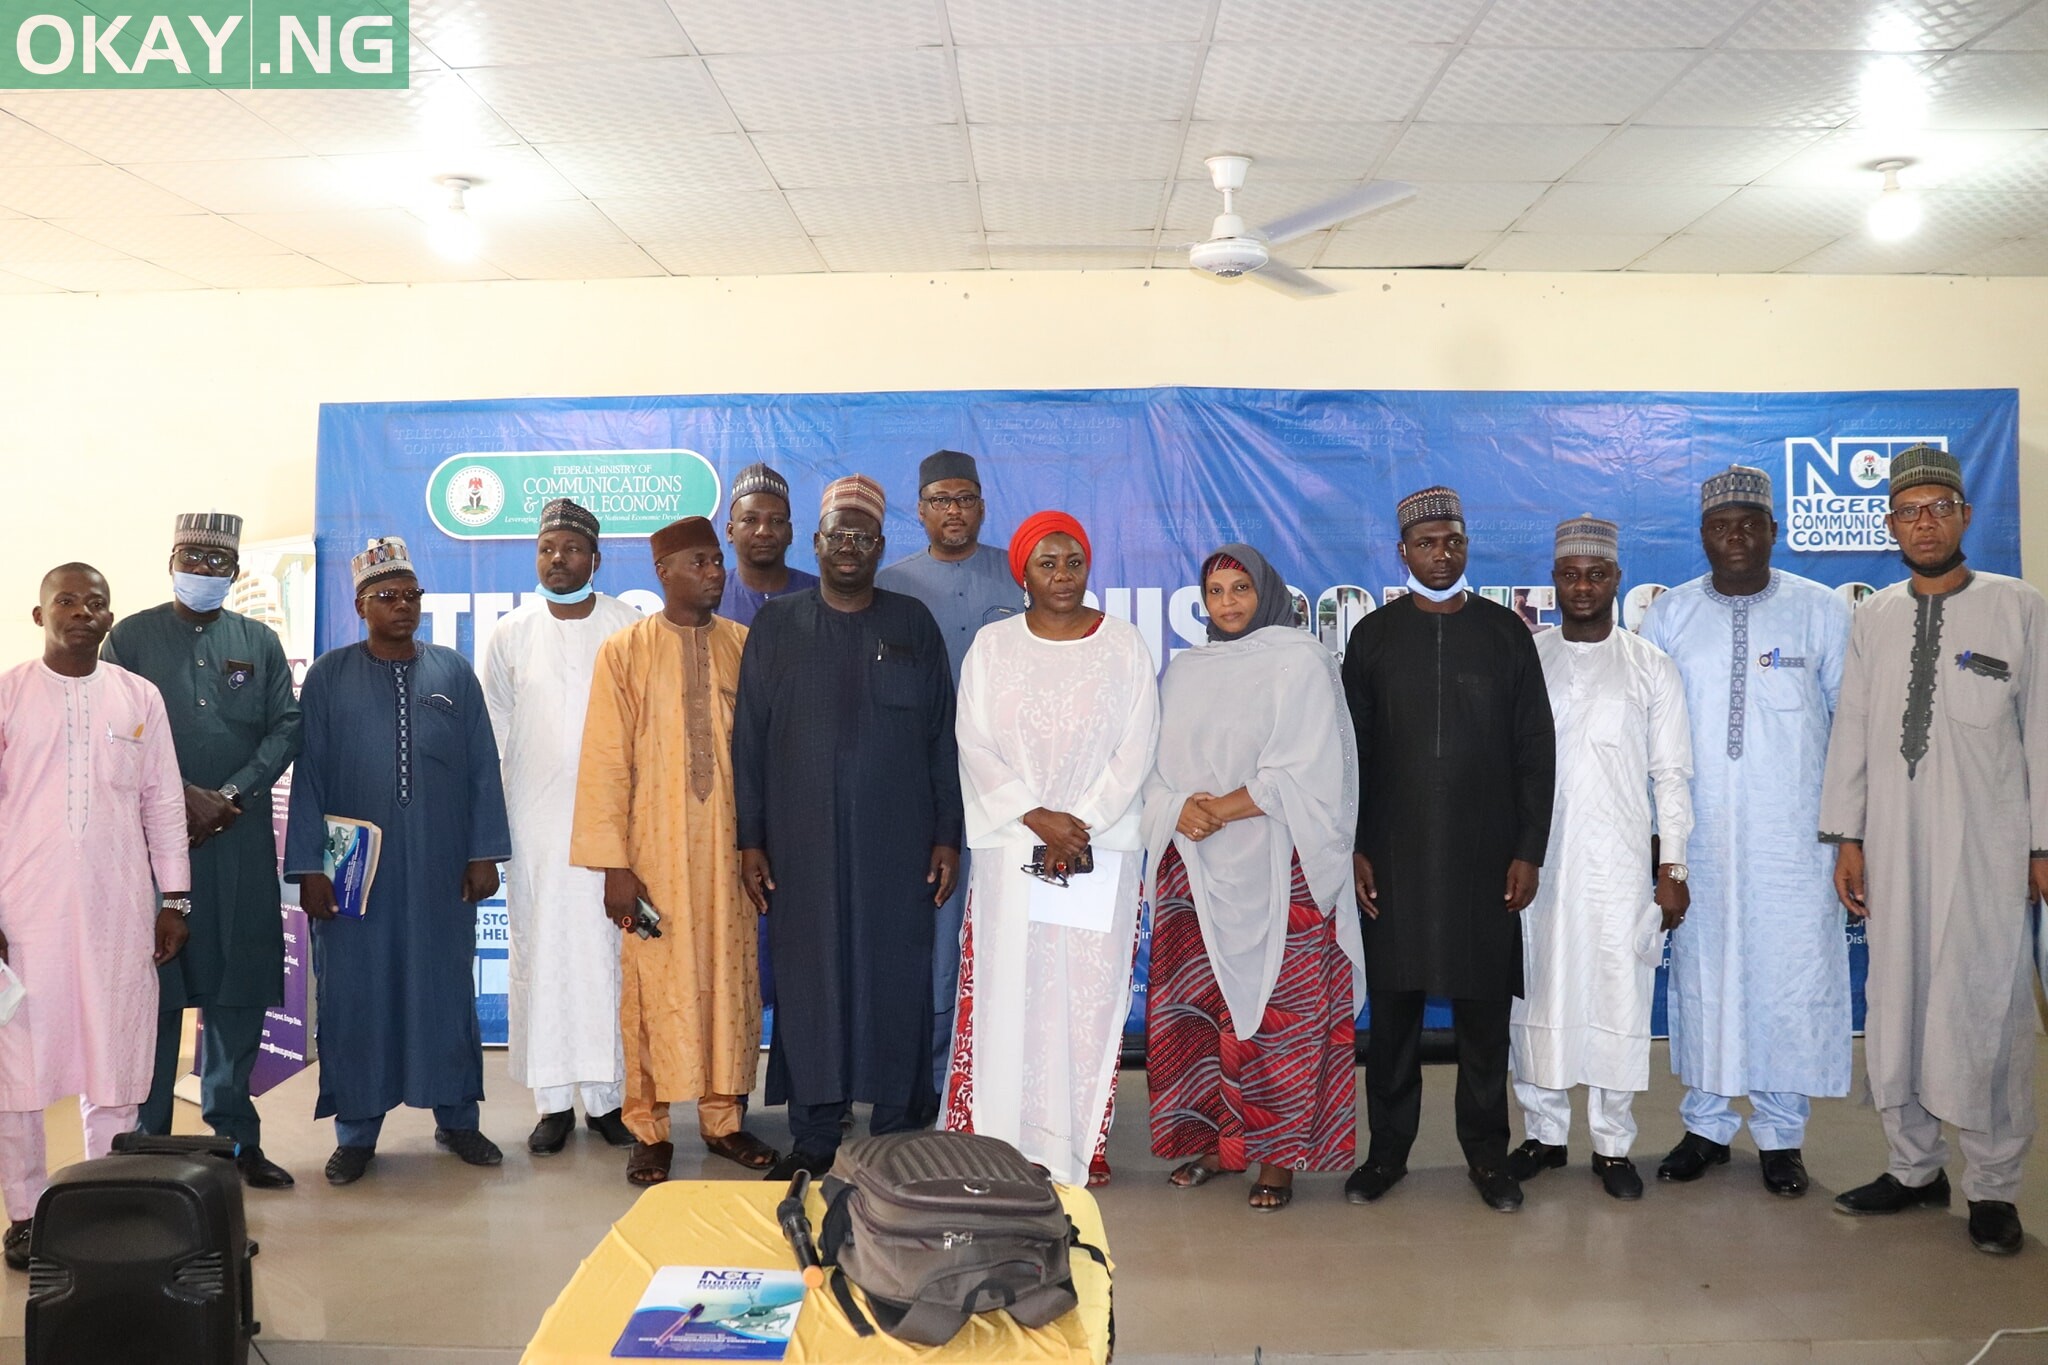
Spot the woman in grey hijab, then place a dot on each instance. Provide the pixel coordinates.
(1256, 962)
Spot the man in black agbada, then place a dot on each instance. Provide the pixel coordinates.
(1456, 756)
(847, 783)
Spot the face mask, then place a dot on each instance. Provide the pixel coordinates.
(567, 599)
(200, 592)
(1415, 586)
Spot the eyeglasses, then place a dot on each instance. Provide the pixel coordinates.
(1941, 509)
(393, 596)
(1045, 874)
(946, 502)
(206, 559)
(862, 541)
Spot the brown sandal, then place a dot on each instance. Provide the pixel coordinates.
(743, 1147)
(649, 1163)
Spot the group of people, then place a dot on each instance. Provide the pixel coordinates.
(918, 810)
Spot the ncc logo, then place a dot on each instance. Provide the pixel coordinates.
(1836, 494)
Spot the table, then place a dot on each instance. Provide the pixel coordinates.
(732, 1223)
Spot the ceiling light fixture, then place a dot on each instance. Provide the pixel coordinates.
(1896, 212)
(450, 229)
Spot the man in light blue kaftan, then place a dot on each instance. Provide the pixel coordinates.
(1759, 990)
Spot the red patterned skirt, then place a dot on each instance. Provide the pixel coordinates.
(1286, 1096)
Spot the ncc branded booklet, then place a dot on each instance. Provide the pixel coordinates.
(351, 858)
(695, 1312)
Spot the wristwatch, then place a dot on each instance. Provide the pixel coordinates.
(1676, 871)
(231, 792)
(181, 904)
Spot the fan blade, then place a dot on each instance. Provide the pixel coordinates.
(1288, 280)
(1380, 194)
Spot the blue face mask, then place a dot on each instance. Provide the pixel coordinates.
(200, 592)
(567, 599)
(1415, 586)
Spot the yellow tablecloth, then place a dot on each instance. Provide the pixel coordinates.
(732, 1223)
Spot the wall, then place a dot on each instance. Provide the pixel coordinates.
(121, 410)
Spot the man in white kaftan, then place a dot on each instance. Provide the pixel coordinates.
(563, 973)
(1592, 938)
(1759, 989)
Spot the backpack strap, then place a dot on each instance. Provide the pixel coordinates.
(1074, 1241)
(832, 1236)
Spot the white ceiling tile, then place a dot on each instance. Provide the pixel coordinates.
(895, 252)
(1327, 83)
(735, 215)
(807, 26)
(466, 33)
(1782, 211)
(1459, 205)
(255, 272)
(1567, 251)
(437, 113)
(1758, 255)
(1526, 85)
(865, 156)
(2026, 257)
(1098, 151)
(1007, 23)
(599, 101)
(2025, 32)
(1374, 249)
(413, 265)
(1622, 208)
(681, 165)
(1481, 151)
(1928, 251)
(1989, 90)
(21, 284)
(1990, 215)
(298, 184)
(84, 192)
(2023, 170)
(150, 125)
(500, 177)
(1347, 22)
(23, 240)
(573, 261)
(1077, 84)
(1764, 89)
(325, 234)
(21, 145)
(1117, 248)
(729, 256)
(1195, 203)
(1607, 23)
(1695, 156)
(1290, 151)
(1077, 211)
(1843, 158)
(1893, 26)
(836, 89)
(928, 211)
(1028, 258)
(107, 277)
(161, 235)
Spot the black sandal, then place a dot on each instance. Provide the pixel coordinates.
(1197, 1174)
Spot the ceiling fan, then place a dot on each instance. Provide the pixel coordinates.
(1232, 249)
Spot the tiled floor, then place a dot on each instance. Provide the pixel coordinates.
(459, 1263)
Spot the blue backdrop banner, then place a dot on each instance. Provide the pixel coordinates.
(1159, 477)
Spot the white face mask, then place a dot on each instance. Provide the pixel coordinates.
(1415, 586)
(200, 591)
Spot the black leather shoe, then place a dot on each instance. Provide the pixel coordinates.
(1533, 1158)
(1886, 1195)
(817, 1163)
(1372, 1180)
(259, 1172)
(1501, 1191)
(347, 1164)
(469, 1144)
(610, 1127)
(1691, 1157)
(1784, 1171)
(17, 1238)
(1618, 1176)
(1995, 1227)
(551, 1134)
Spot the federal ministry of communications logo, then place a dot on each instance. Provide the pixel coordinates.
(475, 495)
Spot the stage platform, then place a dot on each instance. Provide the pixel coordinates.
(432, 1262)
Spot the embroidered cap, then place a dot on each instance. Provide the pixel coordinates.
(216, 530)
(1588, 535)
(564, 514)
(1739, 485)
(854, 493)
(385, 557)
(1925, 464)
(759, 478)
(1436, 503)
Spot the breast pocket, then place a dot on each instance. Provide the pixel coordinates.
(1607, 721)
(1783, 689)
(897, 682)
(1973, 699)
(123, 761)
(439, 733)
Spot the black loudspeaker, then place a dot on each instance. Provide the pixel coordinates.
(142, 1258)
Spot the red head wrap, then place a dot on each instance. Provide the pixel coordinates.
(1037, 527)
